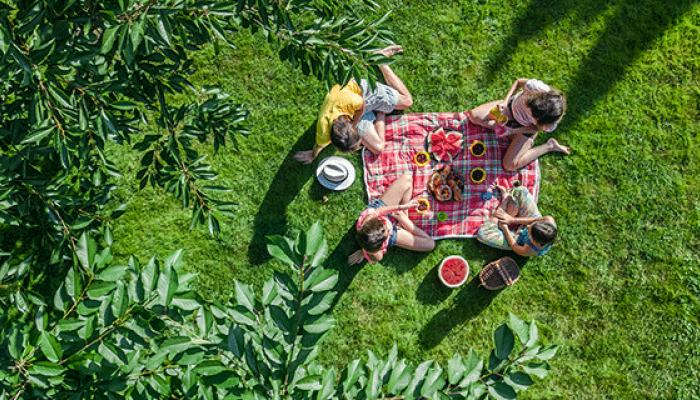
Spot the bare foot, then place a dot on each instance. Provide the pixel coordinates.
(555, 146)
(389, 51)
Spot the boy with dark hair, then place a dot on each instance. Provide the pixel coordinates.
(347, 117)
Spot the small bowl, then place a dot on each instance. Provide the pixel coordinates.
(421, 154)
(462, 277)
(474, 175)
(425, 203)
(475, 147)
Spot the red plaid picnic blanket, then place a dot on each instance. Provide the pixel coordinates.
(405, 136)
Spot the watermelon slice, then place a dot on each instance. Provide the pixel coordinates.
(444, 146)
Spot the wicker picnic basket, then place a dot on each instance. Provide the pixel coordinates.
(500, 273)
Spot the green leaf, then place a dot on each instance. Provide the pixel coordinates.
(320, 324)
(175, 260)
(318, 303)
(547, 353)
(540, 370)
(164, 28)
(21, 302)
(245, 295)
(113, 273)
(519, 327)
(236, 340)
(374, 385)
(322, 280)
(269, 294)
(120, 301)
(503, 340)
(108, 38)
(501, 391)
(328, 385)
(111, 353)
(150, 275)
(41, 319)
(167, 285)
(534, 336)
(309, 383)
(400, 378)
(279, 248)
(46, 368)
(38, 134)
(85, 251)
(418, 377)
(518, 380)
(473, 366)
(175, 345)
(455, 369)
(73, 284)
(433, 382)
(209, 367)
(50, 347)
(137, 30)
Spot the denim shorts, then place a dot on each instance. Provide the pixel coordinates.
(376, 203)
(383, 98)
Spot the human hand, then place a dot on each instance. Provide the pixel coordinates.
(503, 217)
(414, 203)
(502, 226)
(356, 257)
(305, 157)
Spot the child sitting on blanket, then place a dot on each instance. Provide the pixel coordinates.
(347, 116)
(535, 234)
(376, 232)
(537, 107)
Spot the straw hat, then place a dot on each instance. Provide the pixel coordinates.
(335, 173)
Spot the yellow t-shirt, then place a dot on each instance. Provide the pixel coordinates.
(338, 102)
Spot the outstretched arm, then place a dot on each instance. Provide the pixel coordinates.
(517, 85)
(308, 156)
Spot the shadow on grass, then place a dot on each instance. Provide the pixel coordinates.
(469, 302)
(400, 259)
(271, 217)
(633, 29)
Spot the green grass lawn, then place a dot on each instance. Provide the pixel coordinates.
(618, 291)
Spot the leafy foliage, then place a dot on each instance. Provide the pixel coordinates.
(78, 76)
(139, 331)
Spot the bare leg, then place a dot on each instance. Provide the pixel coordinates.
(521, 153)
(391, 79)
(399, 192)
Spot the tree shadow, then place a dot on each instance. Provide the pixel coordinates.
(633, 29)
(271, 217)
(469, 302)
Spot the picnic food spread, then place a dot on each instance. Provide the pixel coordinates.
(446, 184)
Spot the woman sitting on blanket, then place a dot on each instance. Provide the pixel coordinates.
(537, 107)
(376, 232)
(535, 234)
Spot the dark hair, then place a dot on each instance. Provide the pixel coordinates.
(371, 235)
(543, 233)
(344, 135)
(548, 107)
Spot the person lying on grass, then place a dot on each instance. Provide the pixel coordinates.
(347, 117)
(376, 232)
(535, 233)
(536, 107)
